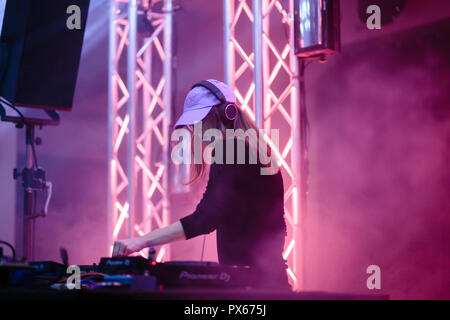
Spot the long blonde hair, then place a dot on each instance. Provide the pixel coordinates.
(213, 121)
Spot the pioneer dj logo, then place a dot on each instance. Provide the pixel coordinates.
(125, 262)
(223, 276)
(74, 20)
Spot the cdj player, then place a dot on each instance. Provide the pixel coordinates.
(180, 274)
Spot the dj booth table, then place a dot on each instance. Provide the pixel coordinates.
(176, 294)
(136, 278)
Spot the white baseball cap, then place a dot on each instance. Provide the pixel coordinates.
(200, 100)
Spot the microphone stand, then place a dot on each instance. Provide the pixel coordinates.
(33, 177)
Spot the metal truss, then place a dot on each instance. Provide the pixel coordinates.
(139, 118)
(264, 75)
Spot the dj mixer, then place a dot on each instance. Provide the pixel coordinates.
(132, 272)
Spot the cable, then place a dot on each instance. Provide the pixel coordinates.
(34, 155)
(83, 275)
(203, 247)
(49, 186)
(10, 246)
(304, 112)
(22, 117)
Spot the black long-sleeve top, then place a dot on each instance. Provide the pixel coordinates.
(246, 208)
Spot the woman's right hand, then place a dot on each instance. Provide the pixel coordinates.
(123, 248)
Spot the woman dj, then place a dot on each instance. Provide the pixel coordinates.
(243, 205)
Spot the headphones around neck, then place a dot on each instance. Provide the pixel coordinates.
(228, 110)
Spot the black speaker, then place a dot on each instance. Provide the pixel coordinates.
(316, 28)
(40, 50)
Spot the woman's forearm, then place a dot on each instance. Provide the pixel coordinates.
(165, 235)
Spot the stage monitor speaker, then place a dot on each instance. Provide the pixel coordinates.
(40, 51)
(316, 28)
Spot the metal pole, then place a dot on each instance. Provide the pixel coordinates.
(296, 155)
(228, 9)
(304, 167)
(168, 110)
(131, 84)
(258, 72)
(111, 116)
(148, 139)
(28, 197)
(267, 124)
